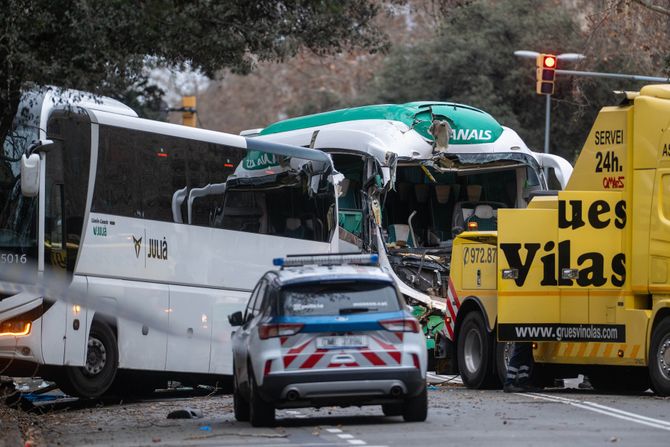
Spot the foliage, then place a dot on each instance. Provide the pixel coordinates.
(102, 46)
(470, 60)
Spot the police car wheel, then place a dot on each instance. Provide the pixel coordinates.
(240, 404)
(659, 358)
(261, 413)
(415, 409)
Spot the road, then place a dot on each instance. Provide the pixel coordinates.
(457, 416)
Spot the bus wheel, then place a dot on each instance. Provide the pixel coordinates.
(476, 353)
(659, 358)
(97, 375)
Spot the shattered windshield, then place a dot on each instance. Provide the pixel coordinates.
(18, 243)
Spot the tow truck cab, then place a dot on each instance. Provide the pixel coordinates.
(586, 273)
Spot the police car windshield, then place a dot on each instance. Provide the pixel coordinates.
(338, 298)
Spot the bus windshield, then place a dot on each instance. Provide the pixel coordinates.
(18, 229)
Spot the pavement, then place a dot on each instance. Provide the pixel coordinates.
(10, 434)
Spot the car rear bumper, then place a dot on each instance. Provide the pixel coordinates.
(361, 387)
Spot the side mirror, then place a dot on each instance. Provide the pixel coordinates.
(236, 319)
(30, 175)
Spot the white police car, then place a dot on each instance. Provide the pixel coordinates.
(327, 330)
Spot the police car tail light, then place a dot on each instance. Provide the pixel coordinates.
(415, 359)
(401, 325)
(271, 330)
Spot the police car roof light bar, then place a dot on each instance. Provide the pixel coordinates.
(327, 259)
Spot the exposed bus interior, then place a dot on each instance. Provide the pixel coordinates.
(431, 204)
(275, 204)
(350, 201)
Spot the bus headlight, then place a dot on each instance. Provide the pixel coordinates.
(15, 328)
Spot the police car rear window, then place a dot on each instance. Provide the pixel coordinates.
(339, 298)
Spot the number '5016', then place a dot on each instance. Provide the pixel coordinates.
(13, 258)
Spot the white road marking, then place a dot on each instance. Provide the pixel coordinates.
(356, 442)
(345, 436)
(333, 430)
(604, 409)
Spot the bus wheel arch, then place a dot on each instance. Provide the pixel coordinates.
(102, 359)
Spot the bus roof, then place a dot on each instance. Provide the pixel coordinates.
(470, 125)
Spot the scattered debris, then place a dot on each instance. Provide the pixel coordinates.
(185, 413)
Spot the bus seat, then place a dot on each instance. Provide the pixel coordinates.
(400, 233)
(350, 190)
(442, 193)
(421, 192)
(462, 212)
(294, 228)
(485, 216)
(474, 192)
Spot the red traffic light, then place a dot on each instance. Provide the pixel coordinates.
(546, 72)
(549, 61)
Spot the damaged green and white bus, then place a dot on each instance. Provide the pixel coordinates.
(414, 176)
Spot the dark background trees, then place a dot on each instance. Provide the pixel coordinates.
(103, 46)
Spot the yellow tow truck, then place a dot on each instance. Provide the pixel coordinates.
(584, 274)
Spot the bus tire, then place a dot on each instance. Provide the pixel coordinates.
(102, 358)
(659, 358)
(477, 353)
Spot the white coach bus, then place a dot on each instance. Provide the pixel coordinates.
(160, 230)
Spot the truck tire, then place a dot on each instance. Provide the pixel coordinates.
(659, 358)
(102, 359)
(477, 353)
(415, 409)
(261, 413)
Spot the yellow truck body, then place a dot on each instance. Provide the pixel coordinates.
(585, 274)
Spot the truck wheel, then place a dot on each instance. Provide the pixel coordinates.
(102, 358)
(476, 353)
(659, 358)
(415, 409)
(240, 404)
(261, 413)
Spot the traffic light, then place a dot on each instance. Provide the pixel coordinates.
(546, 73)
(188, 110)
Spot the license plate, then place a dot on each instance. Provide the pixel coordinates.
(341, 341)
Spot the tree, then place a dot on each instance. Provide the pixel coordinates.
(470, 60)
(102, 47)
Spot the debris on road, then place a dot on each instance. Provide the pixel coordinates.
(185, 413)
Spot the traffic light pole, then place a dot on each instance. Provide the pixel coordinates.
(630, 77)
(547, 123)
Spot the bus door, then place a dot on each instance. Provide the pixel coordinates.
(70, 316)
